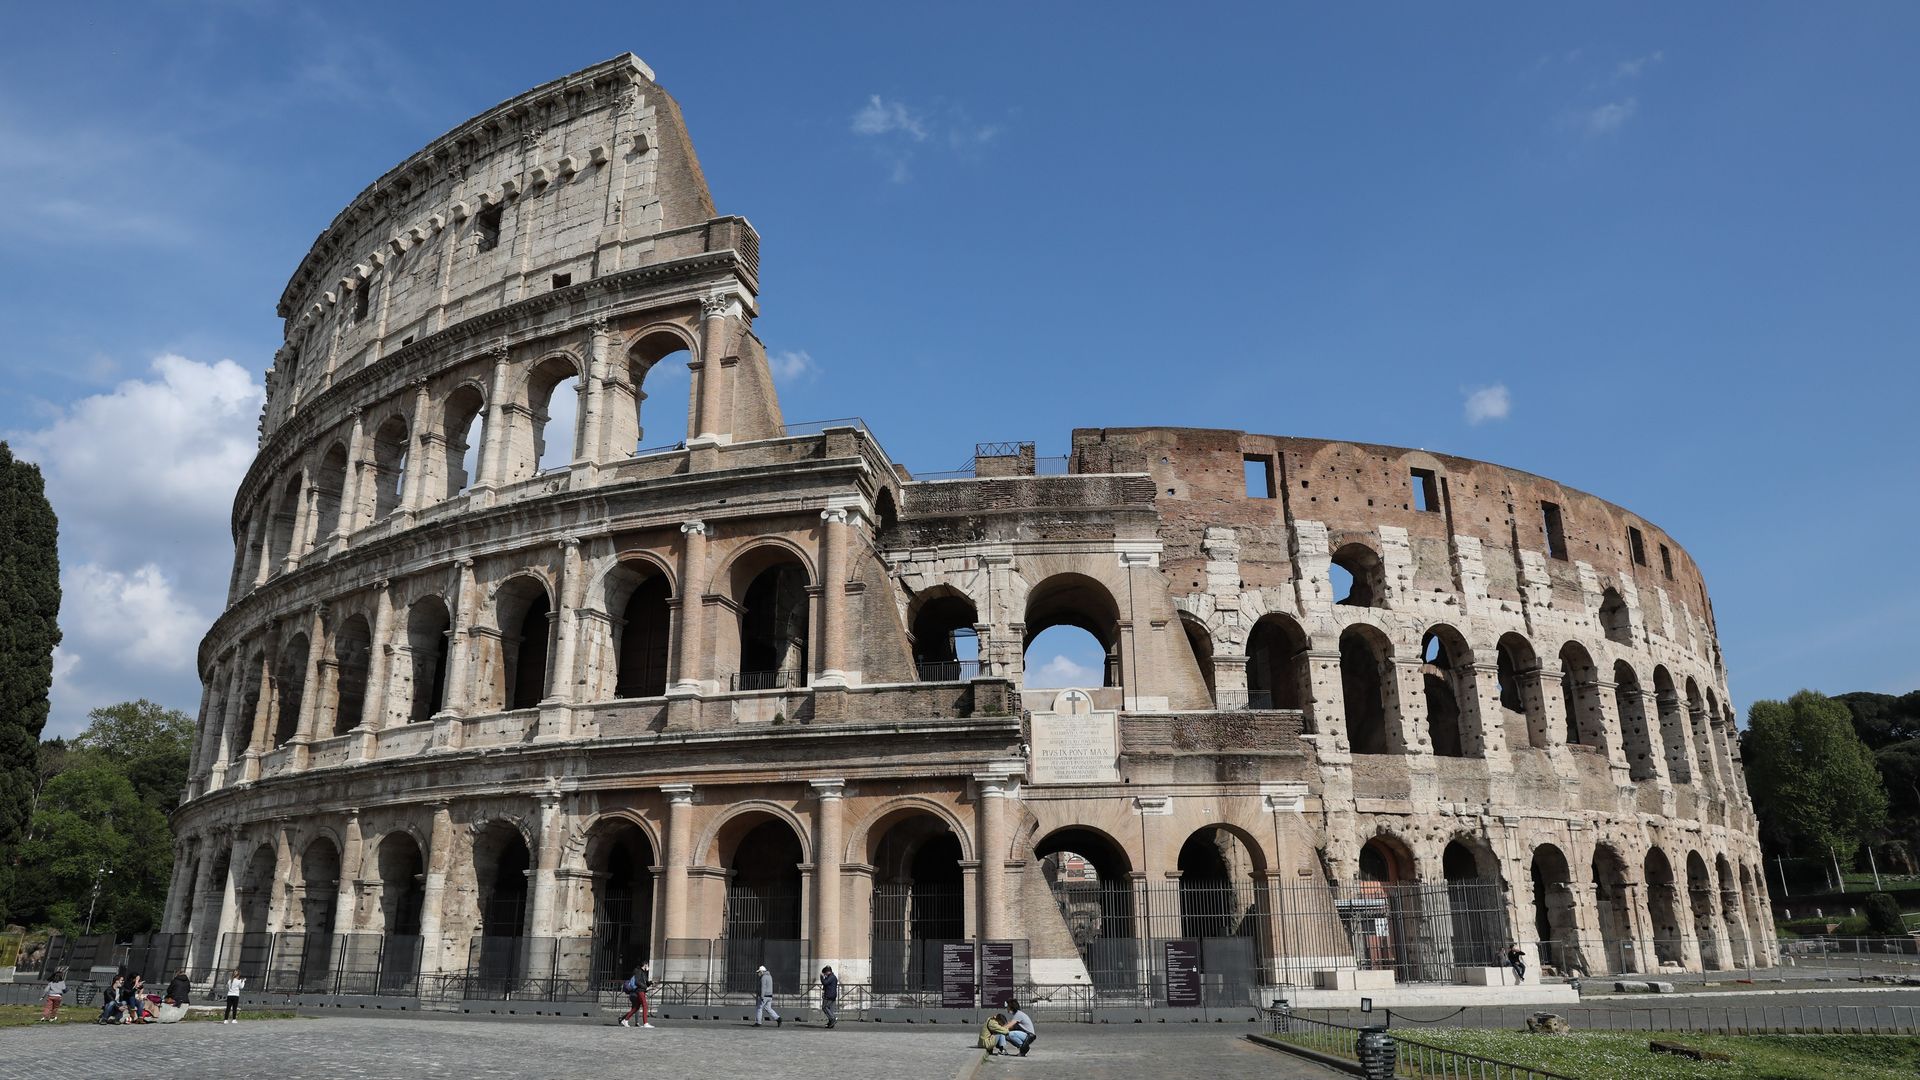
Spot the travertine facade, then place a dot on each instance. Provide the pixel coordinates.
(718, 697)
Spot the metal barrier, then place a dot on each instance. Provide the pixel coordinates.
(1382, 1055)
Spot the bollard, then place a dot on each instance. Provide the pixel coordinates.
(1377, 1053)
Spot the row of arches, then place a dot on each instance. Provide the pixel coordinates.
(496, 428)
(1642, 915)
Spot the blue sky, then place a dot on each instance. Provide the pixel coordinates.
(1663, 253)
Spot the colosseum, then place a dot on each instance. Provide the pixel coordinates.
(521, 682)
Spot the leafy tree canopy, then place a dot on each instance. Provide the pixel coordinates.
(1883, 719)
(151, 744)
(29, 630)
(90, 818)
(1814, 782)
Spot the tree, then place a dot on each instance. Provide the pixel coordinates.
(29, 630)
(1883, 916)
(1814, 783)
(1883, 719)
(91, 819)
(151, 744)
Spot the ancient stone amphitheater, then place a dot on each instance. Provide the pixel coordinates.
(526, 676)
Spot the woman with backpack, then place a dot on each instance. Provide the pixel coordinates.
(636, 988)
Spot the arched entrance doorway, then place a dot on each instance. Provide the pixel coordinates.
(1092, 883)
(1663, 906)
(1223, 906)
(919, 902)
(1613, 901)
(403, 875)
(763, 905)
(1476, 904)
(1556, 931)
(620, 861)
(500, 865)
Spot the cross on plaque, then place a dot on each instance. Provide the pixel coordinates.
(1077, 702)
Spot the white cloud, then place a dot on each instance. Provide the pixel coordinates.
(142, 478)
(1061, 671)
(882, 117)
(1488, 403)
(1634, 68)
(792, 365)
(1609, 118)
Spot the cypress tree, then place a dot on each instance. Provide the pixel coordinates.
(29, 629)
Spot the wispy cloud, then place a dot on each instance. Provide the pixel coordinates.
(1634, 68)
(792, 365)
(1061, 671)
(1488, 403)
(899, 132)
(883, 117)
(1608, 118)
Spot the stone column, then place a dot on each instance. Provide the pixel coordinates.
(546, 860)
(566, 680)
(229, 920)
(346, 914)
(230, 721)
(1484, 700)
(263, 562)
(497, 439)
(303, 515)
(592, 449)
(826, 872)
(1546, 704)
(413, 484)
(373, 713)
(679, 858)
(709, 423)
(280, 888)
(261, 737)
(687, 653)
(447, 730)
(433, 892)
(174, 913)
(311, 689)
(991, 792)
(207, 736)
(833, 597)
(203, 920)
(349, 519)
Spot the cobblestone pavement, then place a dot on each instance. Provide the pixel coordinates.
(371, 1049)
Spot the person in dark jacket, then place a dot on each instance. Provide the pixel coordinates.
(830, 995)
(179, 988)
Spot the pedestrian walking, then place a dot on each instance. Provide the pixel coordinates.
(235, 984)
(56, 990)
(763, 1004)
(830, 995)
(1517, 960)
(636, 988)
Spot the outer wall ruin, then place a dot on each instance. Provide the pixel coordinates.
(527, 674)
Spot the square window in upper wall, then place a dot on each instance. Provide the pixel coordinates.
(1258, 472)
(1637, 545)
(1666, 562)
(486, 228)
(362, 296)
(1556, 533)
(1426, 491)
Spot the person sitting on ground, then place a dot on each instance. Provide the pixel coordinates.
(178, 989)
(136, 1002)
(111, 1004)
(1020, 1034)
(991, 1031)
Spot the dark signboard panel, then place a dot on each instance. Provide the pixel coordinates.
(956, 976)
(1183, 974)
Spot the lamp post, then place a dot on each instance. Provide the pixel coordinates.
(99, 876)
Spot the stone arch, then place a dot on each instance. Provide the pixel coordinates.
(320, 884)
(523, 612)
(619, 851)
(761, 846)
(329, 488)
(1478, 934)
(1277, 666)
(1580, 694)
(1221, 869)
(1200, 644)
(1674, 728)
(1368, 683)
(285, 524)
(352, 656)
(1738, 942)
(1556, 925)
(1615, 621)
(1091, 878)
(1630, 705)
(717, 843)
(769, 581)
(638, 593)
(1522, 697)
(946, 647)
(392, 451)
(1385, 858)
(257, 880)
(864, 836)
(1447, 680)
(239, 733)
(1076, 600)
(1613, 902)
(919, 897)
(645, 349)
(291, 686)
(463, 428)
(401, 866)
(1357, 576)
(502, 854)
(428, 624)
(1663, 907)
(540, 392)
(1703, 906)
(886, 516)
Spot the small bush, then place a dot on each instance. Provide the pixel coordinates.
(1883, 916)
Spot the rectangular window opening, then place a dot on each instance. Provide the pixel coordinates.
(1666, 562)
(1556, 533)
(1637, 545)
(1258, 472)
(561, 281)
(361, 298)
(1426, 491)
(486, 225)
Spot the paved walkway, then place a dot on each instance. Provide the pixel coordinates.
(375, 1049)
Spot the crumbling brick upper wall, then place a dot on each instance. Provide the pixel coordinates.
(1025, 508)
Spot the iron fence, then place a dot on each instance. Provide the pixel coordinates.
(1380, 1053)
(766, 680)
(947, 670)
(1757, 1018)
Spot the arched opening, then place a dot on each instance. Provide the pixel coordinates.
(352, 655)
(252, 535)
(1674, 733)
(1444, 656)
(502, 865)
(320, 881)
(553, 398)
(620, 859)
(255, 900)
(1554, 925)
(1701, 902)
(946, 647)
(1200, 644)
(1614, 621)
(1613, 902)
(1277, 664)
(1580, 694)
(329, 486)
(524, 614)
(763, 905)
(1476, 904)
(291, 681)
(286, 516)
(427, 627)
(1366, 673)
(463, 427)
(390, 455)
(1663, 907)
(771, 585)
(1386, 915)
(1518, 670)
(1753, 907)
(403, 875)
(1630, 703)
(919, 901)
(640, 598)
(1730, 915)
(1222, 907)
(1358, 577)
(239, 733)
(625, 401)
(886, 517)
(1092, 883)
(1062, 614)
(1701, 727)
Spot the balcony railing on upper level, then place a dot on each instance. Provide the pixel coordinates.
(947, 670)
(766, 680)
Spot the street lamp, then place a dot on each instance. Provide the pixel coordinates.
(99, 876)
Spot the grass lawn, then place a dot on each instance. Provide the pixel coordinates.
(1624, 1054)
(27, 1015)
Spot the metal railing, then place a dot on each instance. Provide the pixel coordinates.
(947, 670)
(1380, 1054)
(766, 680)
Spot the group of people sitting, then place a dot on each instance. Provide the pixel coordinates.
(1008, 1032)
(128, 1000)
